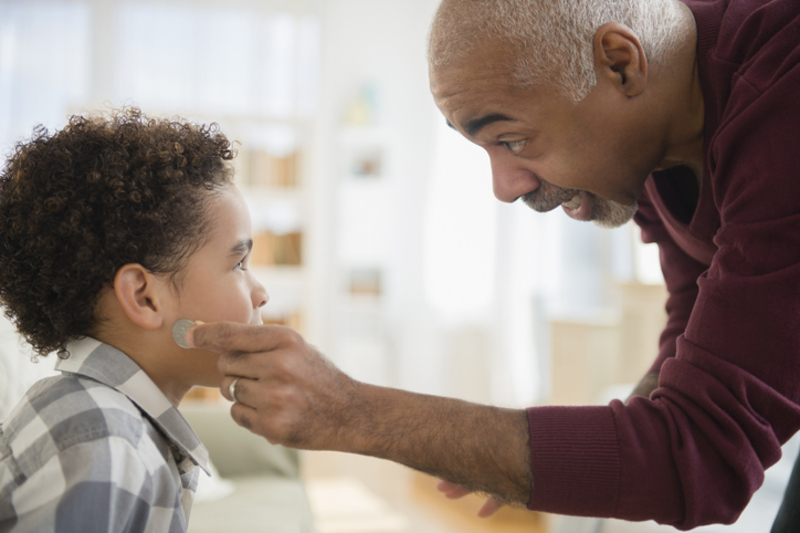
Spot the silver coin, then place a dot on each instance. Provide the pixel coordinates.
(179, 329)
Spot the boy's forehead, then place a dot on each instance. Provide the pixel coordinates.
(228, 218)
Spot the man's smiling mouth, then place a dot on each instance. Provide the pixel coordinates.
(574, 202)
(577, 204)
(579, 207)
(547, 197)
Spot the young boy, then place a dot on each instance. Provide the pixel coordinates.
(111, 230)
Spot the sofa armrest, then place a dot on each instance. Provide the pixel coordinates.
(233, 450)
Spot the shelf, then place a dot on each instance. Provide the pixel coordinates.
(288, 274)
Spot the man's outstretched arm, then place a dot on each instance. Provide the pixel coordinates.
(292, 395)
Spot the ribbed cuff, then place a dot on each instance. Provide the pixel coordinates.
(574, 460)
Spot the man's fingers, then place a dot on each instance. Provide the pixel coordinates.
(247, 417)
(235, 388)
(451, 490)
(444, 485)
(248, 365)
(489, 508)
(232, 337)
(250, 419)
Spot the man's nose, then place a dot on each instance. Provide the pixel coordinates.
(510, 180)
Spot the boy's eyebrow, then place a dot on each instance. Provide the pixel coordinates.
(242, 247)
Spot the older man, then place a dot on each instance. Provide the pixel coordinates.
(684, 117)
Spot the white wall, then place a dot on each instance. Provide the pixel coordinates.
(380, 43)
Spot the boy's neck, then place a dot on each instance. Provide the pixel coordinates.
(150, 358)
(155, 353)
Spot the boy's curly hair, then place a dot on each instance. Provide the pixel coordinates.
(105, 191)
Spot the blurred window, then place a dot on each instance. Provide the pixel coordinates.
(211, 61)
(44, 64)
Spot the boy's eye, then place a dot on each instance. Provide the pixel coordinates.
(515, 147)
(240, 265)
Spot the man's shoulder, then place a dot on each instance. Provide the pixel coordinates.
(759, 39)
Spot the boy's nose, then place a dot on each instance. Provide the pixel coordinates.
(510, 181)
(260, 295)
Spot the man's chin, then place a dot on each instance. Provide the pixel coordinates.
(547, 198)
(609, 214)
(604, 213)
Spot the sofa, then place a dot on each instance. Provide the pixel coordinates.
(258, 486)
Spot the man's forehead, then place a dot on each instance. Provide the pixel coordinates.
(461, 84)
(490, 63)
(474, 99)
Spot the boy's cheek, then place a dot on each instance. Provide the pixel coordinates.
(226, 306)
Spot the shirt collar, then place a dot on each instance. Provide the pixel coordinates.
(102, 362)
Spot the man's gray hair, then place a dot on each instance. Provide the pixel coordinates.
(551, 41)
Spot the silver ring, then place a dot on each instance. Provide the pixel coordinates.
(232, 389)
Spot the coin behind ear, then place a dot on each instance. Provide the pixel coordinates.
(179, 329)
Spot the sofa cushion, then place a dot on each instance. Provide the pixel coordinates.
(266, 504)
(234, 450)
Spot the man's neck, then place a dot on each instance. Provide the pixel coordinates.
(686, 107)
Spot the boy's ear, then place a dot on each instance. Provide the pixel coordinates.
(141, 296)
(619, 57)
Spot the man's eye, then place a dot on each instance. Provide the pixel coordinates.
(515, 147)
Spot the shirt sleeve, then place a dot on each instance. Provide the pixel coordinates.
(696, 450)
(100, 485)
(107, 487)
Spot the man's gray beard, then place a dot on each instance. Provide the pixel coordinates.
(605, 213)
(610, 214)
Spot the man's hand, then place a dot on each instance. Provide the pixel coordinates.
(290, 394)
(287, 391)
(453, 491)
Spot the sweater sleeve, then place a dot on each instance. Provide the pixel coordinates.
(680, 276)
(696, 450)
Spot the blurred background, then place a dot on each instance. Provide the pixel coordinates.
(376, 231)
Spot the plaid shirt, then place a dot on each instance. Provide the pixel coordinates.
(99, 448)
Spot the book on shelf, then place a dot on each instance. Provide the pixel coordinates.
(274, 249)
(269, 170)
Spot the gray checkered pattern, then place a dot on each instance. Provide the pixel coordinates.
(99, 448)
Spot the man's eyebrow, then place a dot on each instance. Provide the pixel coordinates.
(242, 247)
(474, 126)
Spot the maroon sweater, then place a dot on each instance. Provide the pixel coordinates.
(729, 388)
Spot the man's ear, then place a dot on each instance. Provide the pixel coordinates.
(620, 58)
(141, 295)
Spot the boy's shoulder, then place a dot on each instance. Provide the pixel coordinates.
(74, 439)
(73, 405)
(103, 404)
(61, 412)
